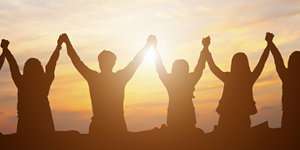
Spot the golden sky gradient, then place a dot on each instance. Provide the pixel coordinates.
(122, 26)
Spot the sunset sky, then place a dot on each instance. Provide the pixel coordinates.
(122, 26)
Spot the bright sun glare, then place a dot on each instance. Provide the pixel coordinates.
(150, 56)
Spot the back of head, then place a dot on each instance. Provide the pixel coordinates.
(107, 60)
(33, 69)
(240, 64)
(294, 63)
(180, 67)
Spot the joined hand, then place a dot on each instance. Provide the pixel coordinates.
(4, 43)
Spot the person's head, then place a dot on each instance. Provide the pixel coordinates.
(180, 67)
(240, 63)
(294, 62)
(107, 61)
(33, 68)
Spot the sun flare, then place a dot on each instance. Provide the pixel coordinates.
(150, 56)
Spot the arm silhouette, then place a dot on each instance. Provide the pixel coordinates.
(280, 67)
(50, 67)
(197, 73)
(262, 61)
(131, 68)
(160, 68)
(79, 65)
(2, 58)
(213, 67)
(13, 65)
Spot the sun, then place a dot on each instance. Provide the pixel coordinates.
(150, 56)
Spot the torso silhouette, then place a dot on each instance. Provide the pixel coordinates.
(290, 101)
(181, 112)
(34, 111)
(107, 94)
(290, 89)
(237, 97)
(290, 94)
(237, 102)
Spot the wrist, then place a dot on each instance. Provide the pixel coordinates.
(205, 47)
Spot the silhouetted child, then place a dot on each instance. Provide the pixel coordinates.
(180, 84)
(237, 102)
(290, 77)
(106, 89)
(34, 113)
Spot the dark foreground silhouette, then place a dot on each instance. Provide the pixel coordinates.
(180, 84)
(107, 89)
(35, 129)
(258, 138)
(33, 109)
(237, 102)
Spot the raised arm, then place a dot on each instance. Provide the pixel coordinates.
(50, 67)
(79, 65)
(259, 67)
(160, 68)
(197, 73)
(2, 58)
(280, 67)
(14, 68)
(213, 67)
(131, 68)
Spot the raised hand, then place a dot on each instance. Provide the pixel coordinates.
(59, 42)
(4, 43)
(206, 41)
(65, 38)
(269, 37)
(151, 41)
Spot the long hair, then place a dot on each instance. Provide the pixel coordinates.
(294, 64)
(33, 69)
(240, 64)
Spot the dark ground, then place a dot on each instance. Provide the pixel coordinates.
(258, 138)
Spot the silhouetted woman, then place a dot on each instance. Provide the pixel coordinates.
(180, 84)
(34, 113)
(237, 102)
(290, 77)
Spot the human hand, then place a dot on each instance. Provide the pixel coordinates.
(4, 43)
(269, 37)
(151, 41)
(206, 41)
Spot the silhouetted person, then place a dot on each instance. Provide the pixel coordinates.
(180, 84)
(237, 102)
(290, 77)
(34, 113)
(106, 89)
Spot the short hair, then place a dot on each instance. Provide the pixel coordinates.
(105, 54)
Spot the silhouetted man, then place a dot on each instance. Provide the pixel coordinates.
(180, 84)
(106, 89)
